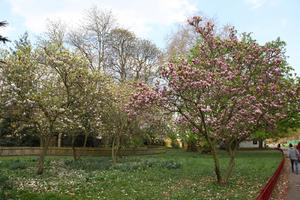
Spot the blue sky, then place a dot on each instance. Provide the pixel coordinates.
(154, 19)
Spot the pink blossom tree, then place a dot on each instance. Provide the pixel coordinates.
(120, 125)
(225, 90)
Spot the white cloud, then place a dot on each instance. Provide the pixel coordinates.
(140, 15)
(36, 13)
(283, 22)
(137, 15)
(256, 3)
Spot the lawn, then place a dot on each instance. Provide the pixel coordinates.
(173, 175)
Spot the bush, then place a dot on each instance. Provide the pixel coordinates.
(205, 148)
(176, 144)
(34, 159)
(12, 164)
(158, 142)
(17, 165)
(171, 164)
(136, 142)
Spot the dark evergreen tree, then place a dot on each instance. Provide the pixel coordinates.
(3, 39)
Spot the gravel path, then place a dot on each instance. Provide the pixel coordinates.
(294, 185)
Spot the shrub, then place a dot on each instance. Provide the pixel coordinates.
(136, 142)
(12, 164)
(17, 165)
(176, 144)
(158, 142)
(205, 148)
(34, 159)
(171, 164)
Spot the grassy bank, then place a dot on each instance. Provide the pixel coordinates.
(173, 175)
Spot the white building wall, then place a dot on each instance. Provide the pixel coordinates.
(250, 144)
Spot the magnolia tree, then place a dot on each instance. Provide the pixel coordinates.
(151, 117)
(122, 126)
(292, 121)
(83, 116)
(225, 90)
(115, 121)
(41, 83)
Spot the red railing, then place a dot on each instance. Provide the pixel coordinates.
(269, 187)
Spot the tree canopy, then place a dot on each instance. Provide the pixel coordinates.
(225, 89)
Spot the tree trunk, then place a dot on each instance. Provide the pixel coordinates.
(59, 140)
(230, 165)
(85, 139)
(114, 149)
(41, 141)
(75, 156)
(113, 157)
(43, 155)
(217, 164)
(260, 143)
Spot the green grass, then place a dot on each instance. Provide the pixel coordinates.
(174, 175)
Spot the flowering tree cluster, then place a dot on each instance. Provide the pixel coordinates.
(225, 90)
(50, 90)
(46, 89)
(119, 124)
(142, 108)
(115, 122)
(54, 90)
